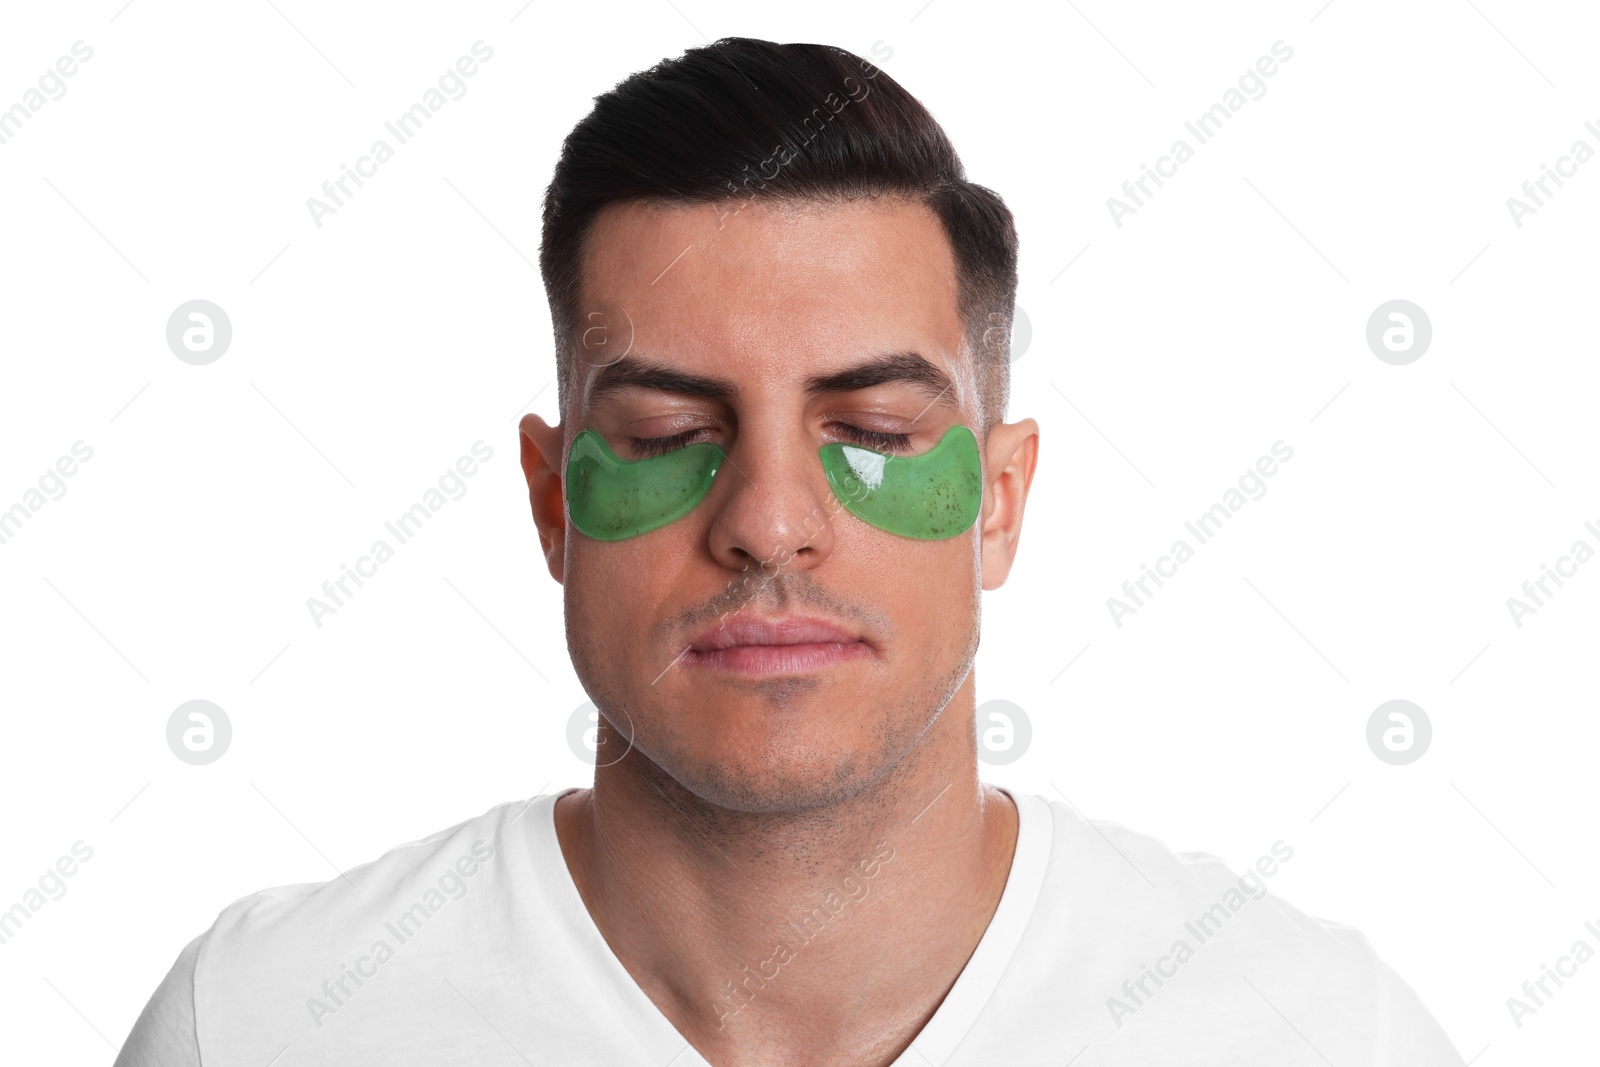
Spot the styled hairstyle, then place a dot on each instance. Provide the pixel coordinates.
(755, 120)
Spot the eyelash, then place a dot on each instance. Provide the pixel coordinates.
(876, 440)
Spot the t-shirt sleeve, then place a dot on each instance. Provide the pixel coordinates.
(164, 1034)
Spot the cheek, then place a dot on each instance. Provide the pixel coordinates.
(599, 578)
(621, 595)
(947, 599)
(914, 582)
(926, 594)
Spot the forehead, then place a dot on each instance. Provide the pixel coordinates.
(776, 291)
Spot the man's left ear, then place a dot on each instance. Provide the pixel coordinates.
(1010, 455)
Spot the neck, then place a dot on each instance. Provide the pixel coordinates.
(739, 925)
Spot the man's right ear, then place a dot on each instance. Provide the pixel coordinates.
(541, 465)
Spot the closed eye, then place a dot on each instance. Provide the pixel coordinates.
(644, 447)
(876, 440)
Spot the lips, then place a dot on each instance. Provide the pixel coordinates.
(737, 631)
(790, 644)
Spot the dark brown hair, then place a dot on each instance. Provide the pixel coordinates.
(749, 119)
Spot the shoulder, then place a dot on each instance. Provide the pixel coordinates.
(1136, 877)
(443, 866)
(1175, 936)
(279, 964)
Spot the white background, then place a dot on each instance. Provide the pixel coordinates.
(1226, 314)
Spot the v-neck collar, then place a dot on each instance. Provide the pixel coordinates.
(664, 1046)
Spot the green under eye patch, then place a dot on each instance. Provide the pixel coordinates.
(930, 497)
(610, 498)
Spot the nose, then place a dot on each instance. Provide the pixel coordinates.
(777, 512)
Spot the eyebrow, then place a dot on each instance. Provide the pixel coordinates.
(908, 367)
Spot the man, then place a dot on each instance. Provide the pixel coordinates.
(781, 480)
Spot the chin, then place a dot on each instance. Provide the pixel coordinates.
(785, 781)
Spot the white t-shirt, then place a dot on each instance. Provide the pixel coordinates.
(473, 946)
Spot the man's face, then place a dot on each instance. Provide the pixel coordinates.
(771, 331)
